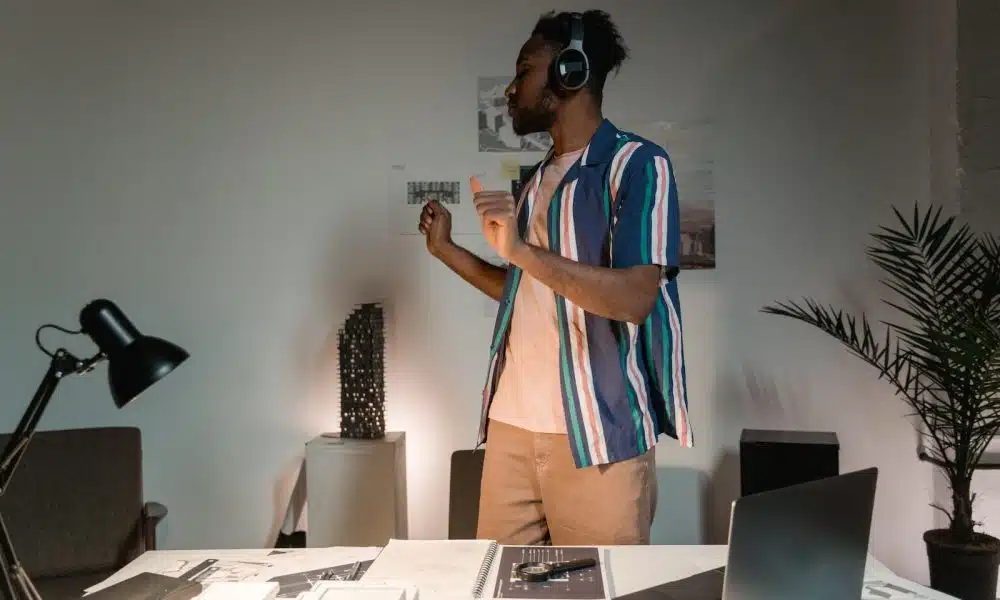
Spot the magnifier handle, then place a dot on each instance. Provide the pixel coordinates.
(572, 565)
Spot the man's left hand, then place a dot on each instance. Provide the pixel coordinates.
(499, 223)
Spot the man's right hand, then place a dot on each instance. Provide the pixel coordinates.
(435, 224)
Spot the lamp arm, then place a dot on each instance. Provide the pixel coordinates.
(111, 331)
(63, 363)
(16, 583)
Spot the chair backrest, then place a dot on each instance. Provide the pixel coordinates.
(74, 505)
(463, 496)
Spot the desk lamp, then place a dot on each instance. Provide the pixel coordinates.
(135, 362)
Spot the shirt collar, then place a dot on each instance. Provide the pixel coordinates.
(602, 145)
(600, 149)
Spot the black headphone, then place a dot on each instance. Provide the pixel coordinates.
(570, 69)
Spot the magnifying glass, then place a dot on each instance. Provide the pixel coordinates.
(542, 571)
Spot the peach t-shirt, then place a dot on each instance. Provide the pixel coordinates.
(528, 394)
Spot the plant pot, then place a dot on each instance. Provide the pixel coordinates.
(966, 571)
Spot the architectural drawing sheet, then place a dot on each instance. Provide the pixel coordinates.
(288, 567)
(585, 584)
(689, 144)
(237, 564)
(291, 585)
(214, 570)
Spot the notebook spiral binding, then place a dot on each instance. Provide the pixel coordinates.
(484, 570)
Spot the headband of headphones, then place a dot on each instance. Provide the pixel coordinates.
(576, 31)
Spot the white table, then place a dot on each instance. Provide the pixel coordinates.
(677, 562)
(628, 565)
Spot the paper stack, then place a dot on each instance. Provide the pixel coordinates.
(356, 590)
(240, 590)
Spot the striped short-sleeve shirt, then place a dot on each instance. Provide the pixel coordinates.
(623, 384)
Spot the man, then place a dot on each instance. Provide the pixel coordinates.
(586, 365)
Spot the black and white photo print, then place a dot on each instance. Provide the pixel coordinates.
(496, 131)
(444, 192)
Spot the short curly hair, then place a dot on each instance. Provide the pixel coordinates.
(602, 42)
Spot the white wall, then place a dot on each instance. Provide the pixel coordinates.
(978, 112)
(219, 169)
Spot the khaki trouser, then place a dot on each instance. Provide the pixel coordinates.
(532, 493)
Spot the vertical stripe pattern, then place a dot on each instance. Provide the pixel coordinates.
(579, 348)
(623, 384)
(641, 418)
(675, 358)
(575, 426)
(618, 166)
(658, 212)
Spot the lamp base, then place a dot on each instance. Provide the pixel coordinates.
(17, 584)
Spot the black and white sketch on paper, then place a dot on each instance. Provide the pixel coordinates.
(496, 130)
(292, 585)
(213, 570)
(444, 192)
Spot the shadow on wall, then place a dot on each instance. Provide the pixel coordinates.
(354, 269)
(796, 193)
(351, 273)
(760, 403)
(750, 400)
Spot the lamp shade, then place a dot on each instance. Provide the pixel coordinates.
(135, 361)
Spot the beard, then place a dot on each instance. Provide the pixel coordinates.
(537, 118)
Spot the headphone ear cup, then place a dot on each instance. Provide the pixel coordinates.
(555, 82)
(571, 70)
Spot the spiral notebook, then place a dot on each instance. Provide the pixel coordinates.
(437, 568)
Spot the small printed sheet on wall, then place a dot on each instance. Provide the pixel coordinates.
(411, 187)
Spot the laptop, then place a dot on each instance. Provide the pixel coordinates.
(808, 540)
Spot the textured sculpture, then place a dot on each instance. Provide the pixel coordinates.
(361, 343)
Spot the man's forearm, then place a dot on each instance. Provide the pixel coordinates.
(617, 294)
(486, 277)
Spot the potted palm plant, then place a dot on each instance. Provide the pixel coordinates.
(943, 358)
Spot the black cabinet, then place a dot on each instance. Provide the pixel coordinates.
(772, 459)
